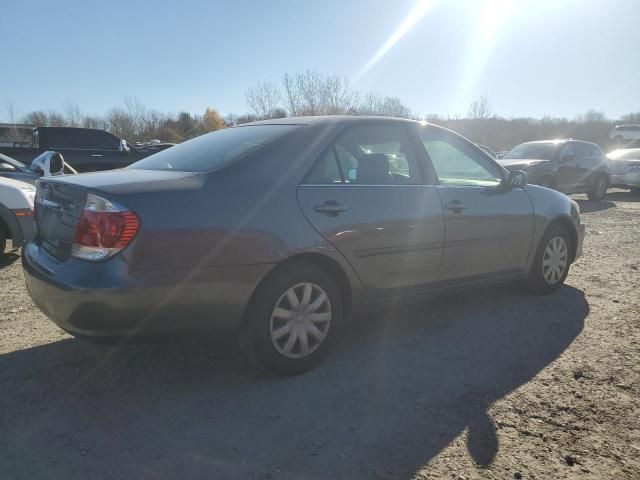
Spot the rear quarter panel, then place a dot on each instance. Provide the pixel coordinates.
(242, 215)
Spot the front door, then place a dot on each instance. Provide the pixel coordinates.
(366, 196)
(489, 228)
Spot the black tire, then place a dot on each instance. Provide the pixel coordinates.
(270, 295)
(599, 188)
(536, 282)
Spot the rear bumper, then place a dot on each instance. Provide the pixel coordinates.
(626, 180)
(108, 299)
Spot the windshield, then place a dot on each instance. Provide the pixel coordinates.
(213, 149)
(532, 150)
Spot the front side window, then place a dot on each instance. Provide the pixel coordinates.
(457, 162)
(368, 155)
(213, 149)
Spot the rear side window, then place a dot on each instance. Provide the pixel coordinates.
(213, 149)
(582, 151)
(375, 154)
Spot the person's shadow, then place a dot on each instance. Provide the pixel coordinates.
(396, 389)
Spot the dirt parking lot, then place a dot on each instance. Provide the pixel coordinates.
(491, 384)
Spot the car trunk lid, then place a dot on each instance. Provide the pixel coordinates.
(61, 200)
(58, 209)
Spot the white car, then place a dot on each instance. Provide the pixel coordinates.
(621, 134)
(624, 165)
(16, 212)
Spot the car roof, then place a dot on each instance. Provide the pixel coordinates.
(326, 119)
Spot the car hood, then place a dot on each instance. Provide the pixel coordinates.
(520, 163)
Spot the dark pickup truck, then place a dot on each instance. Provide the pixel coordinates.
(85, 149)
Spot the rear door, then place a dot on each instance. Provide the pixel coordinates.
(369, 198)
(489, 228)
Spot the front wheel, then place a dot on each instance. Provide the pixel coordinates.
(293, 318)
(551, 263)
(599, 189)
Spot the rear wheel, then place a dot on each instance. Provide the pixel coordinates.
(599, 188)
(293, 318)
(551, 263)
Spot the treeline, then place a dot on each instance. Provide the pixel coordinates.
(504, 133)
(133, 122)
(313, 93)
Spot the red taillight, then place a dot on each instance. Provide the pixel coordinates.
(104, 229)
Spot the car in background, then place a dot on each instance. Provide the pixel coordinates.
(625, 168)
(45, 165)
(569, 166)
(282, 229)
(620, 134)
(85, 149)
(488, 151)
(16, 212)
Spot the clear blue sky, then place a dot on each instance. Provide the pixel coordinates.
(531, 57)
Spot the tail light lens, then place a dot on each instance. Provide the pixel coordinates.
(104, 229)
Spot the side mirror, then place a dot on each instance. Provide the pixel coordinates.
(517, 178)
(37, 170)
(124, 146)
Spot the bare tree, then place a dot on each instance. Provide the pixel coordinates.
(73, 115)
(263, 99)
(339, 98)
(292, 95)
(305, 93)
(376, 104)
(480, 108)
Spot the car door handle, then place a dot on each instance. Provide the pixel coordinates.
(97, 155)
(456, 206)
(330, 208)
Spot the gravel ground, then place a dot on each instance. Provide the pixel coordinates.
(489, 384)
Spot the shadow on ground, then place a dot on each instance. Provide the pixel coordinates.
(8, 258)
(395, 391)
(623, 196)
(588, 206)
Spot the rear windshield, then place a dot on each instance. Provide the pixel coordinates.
(213, 149)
